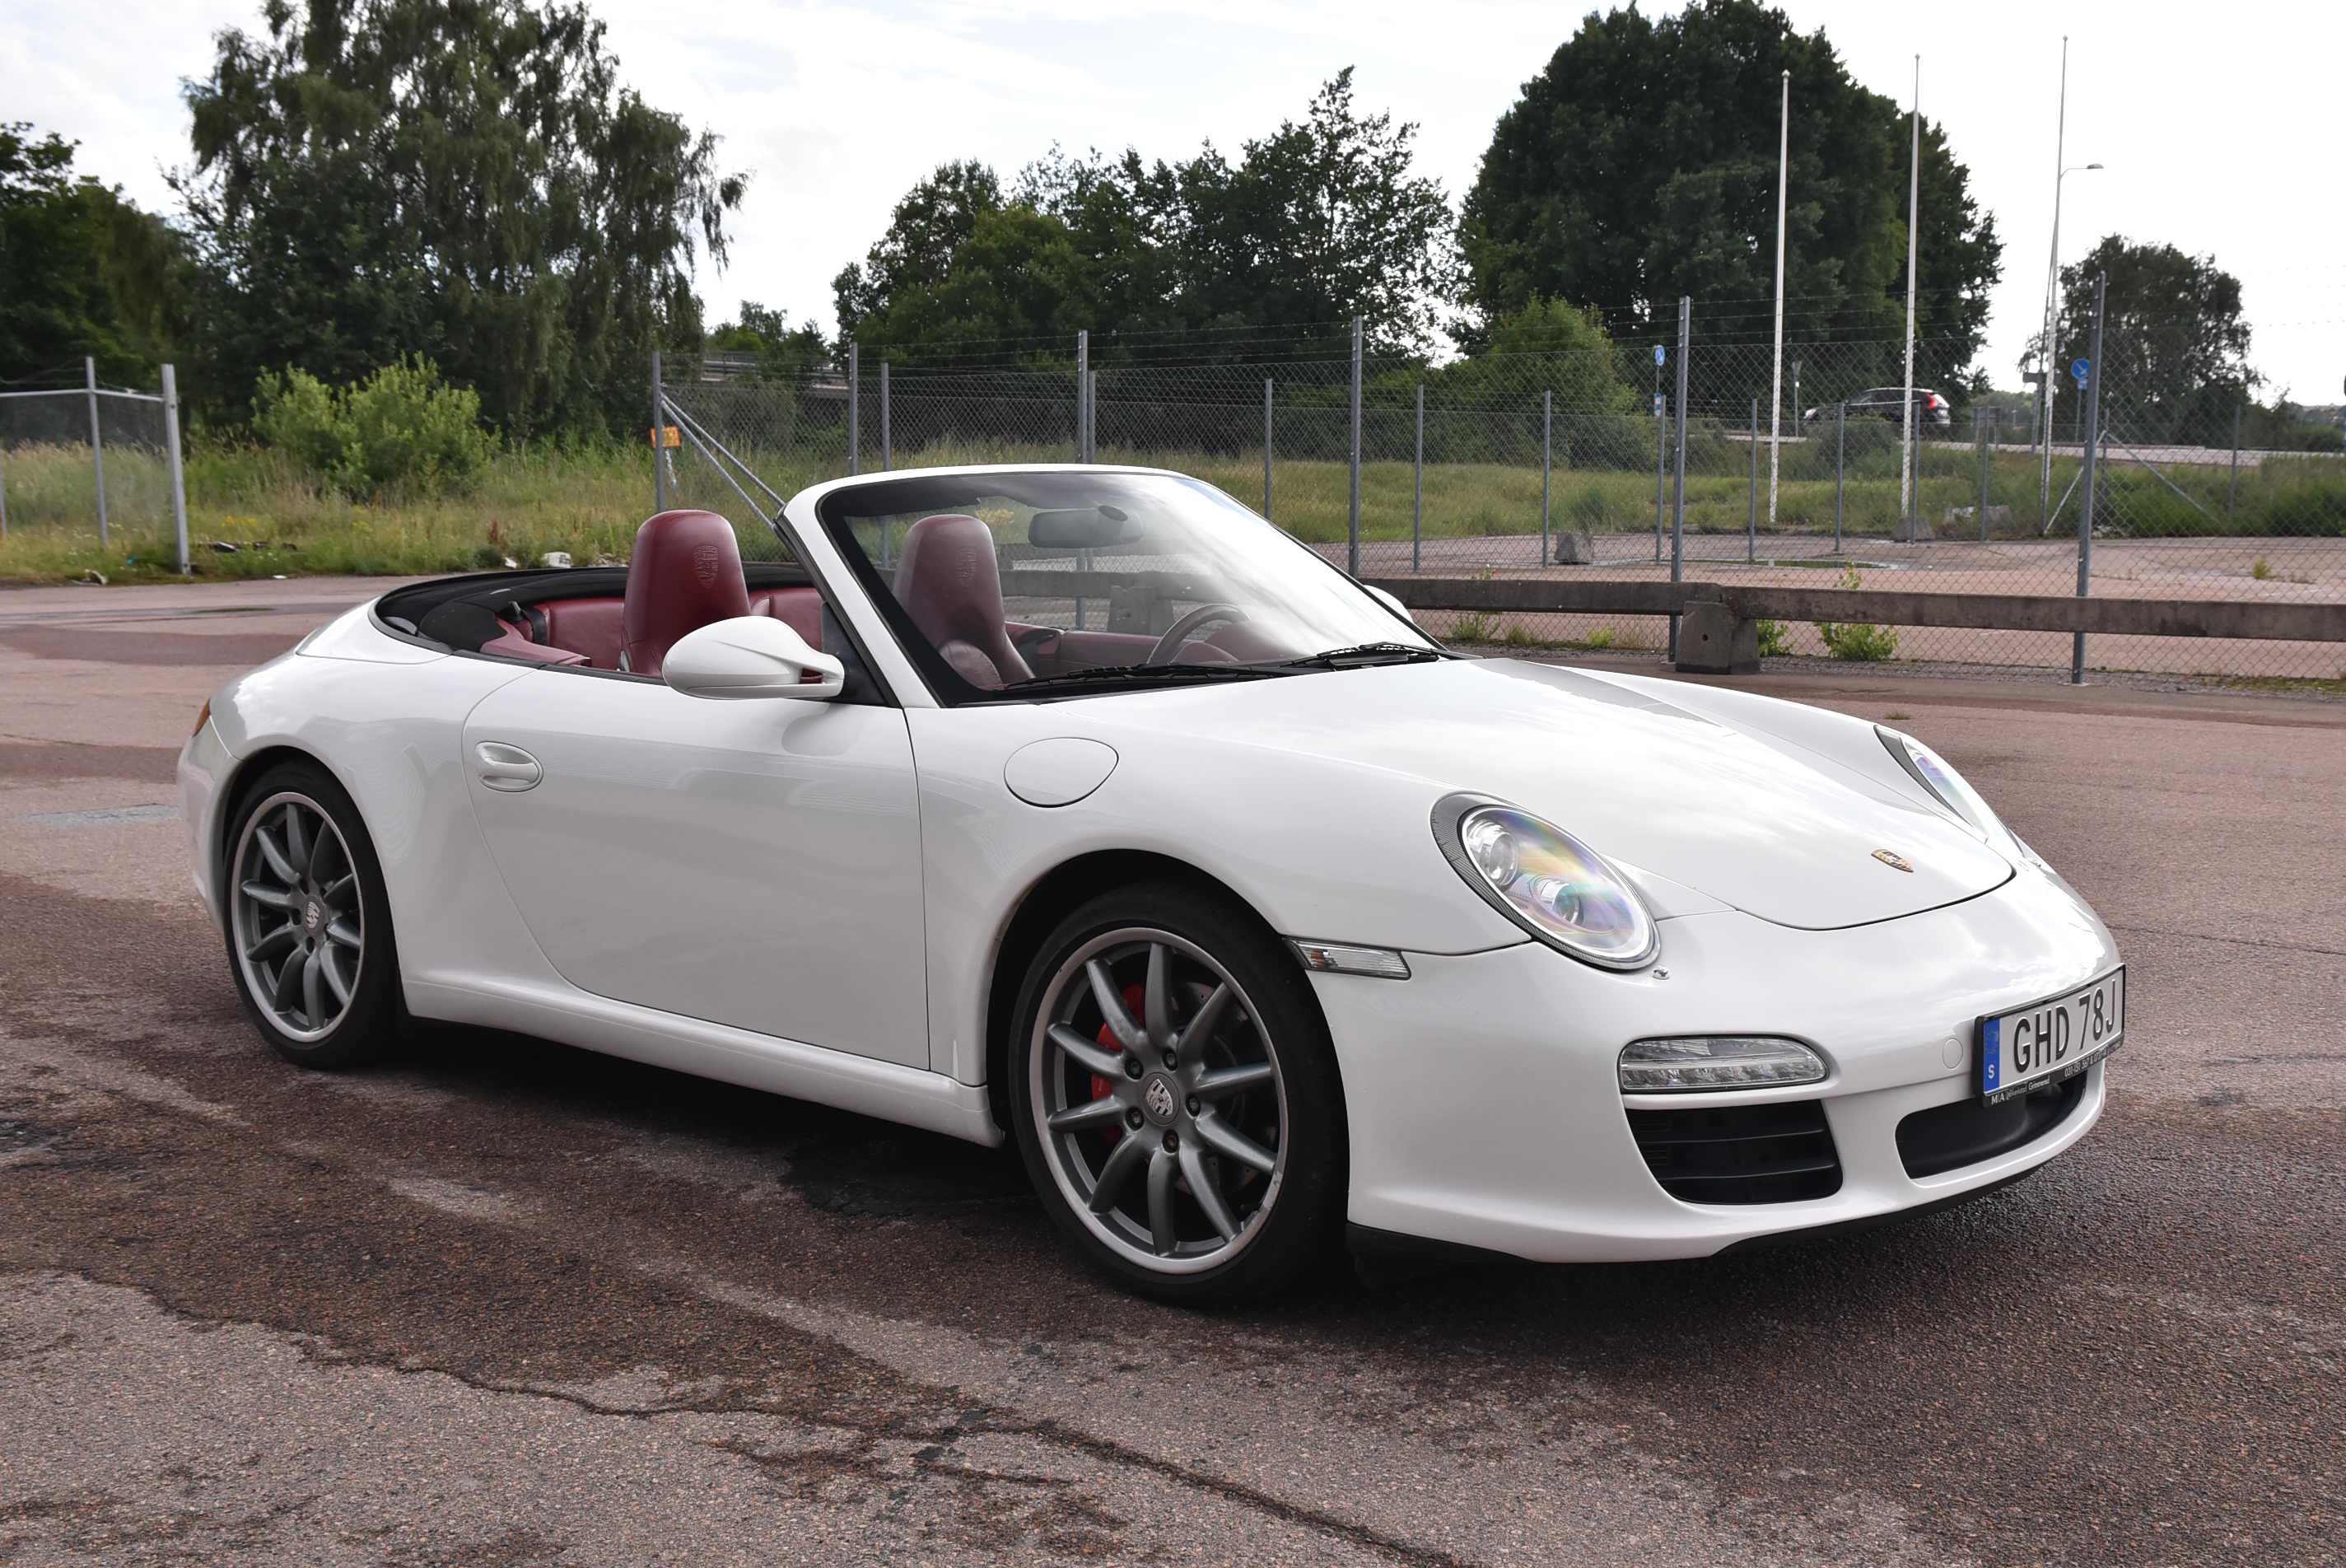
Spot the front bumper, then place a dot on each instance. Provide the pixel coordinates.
(205, 764)
(1484, 1111)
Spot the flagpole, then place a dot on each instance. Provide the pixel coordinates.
(1776, 381)
(1914, 217)
(2045, 386)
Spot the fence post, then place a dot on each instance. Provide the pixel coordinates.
(96, 445)
(1352, 535)
(2093, 462)
(2231, 489)
(1091, 416)
(887, 452)
(1678, 490)
(179, 470)
(1547, 427)
(1979, 422)
(1265, 449)
(1661, 459)
(1840, 463)
(659, 453)
(1082, 395)
(1752, 511)
(854, 408)
(1417, 497)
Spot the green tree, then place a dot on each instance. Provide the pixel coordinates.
(1317, 222)
(1640, 166)
(2175, 351)
(782, 350)
(87, 273)
(1321, 220)
(1547, 346)
(463, 179)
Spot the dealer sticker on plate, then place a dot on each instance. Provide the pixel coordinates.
(2052, 1040)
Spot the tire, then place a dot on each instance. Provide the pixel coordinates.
(1198, 1168)
(310, 943)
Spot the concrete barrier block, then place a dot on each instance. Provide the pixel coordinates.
(1576, 547)
(1713, 640)
(1911, 531)
(1965, 519)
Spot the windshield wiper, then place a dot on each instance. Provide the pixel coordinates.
(1365, 654)
(1138, 674)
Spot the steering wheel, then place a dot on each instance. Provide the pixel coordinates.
(1178, 632)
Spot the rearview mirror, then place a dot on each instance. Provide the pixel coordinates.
(1081, 528)
(750, 656)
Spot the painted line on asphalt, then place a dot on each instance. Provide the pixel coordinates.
(102, 816)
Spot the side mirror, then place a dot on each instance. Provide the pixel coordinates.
(750, 656)
(1390, 603)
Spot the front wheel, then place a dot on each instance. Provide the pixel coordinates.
(309, 928)
(1177, 1099)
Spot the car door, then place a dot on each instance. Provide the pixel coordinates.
(756, 864)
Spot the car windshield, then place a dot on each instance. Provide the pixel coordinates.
(1073, 581)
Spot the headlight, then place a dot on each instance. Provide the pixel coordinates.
(1932, 771)
(1546, 881)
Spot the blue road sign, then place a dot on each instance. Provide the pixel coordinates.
(1658, 405)
(1661, 354)
(2079, 370)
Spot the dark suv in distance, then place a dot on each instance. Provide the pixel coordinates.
(1931, 411)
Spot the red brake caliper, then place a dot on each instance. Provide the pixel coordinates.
(1132, 1003)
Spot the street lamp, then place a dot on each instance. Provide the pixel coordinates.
(2045, 365)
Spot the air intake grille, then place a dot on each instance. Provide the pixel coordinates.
(1948, 1137)
(1777, 1152)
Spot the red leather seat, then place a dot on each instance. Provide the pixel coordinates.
(685, 572)
(800, 609)
(950, 585)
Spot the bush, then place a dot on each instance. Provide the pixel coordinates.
(1861, 641)
(399, 430)
(1775, 638)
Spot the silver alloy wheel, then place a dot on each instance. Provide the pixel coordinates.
(295, 916)
(1168, 1136)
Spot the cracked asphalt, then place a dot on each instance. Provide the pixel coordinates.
(509, 1303)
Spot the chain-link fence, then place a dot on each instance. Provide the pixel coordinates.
(94, 461)
(1570, 463)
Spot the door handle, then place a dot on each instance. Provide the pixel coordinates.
(508, 768)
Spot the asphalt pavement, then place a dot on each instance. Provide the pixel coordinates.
(510, 1303)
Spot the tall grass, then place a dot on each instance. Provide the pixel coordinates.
(588, 499)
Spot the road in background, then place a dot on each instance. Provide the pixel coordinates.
(508, 1303)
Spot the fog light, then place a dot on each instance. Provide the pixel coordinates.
(1381, 963)
(1715, 1062)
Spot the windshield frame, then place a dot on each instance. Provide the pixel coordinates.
(951, 690)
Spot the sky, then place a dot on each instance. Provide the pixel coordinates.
(2221, 126)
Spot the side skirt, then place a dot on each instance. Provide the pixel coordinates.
(892, 1093)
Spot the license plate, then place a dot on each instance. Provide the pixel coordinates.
(2052, 1040)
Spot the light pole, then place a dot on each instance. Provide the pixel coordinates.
(2044, 387)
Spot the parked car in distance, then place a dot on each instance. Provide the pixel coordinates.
(1932, 413)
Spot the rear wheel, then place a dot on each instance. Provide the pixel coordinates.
(309, 932)
(1177, 1099)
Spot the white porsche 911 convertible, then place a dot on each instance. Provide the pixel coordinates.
(1080, 806)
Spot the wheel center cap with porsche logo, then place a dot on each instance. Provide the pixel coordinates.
(1160, 1100)
(313, 916)
(1895, 861)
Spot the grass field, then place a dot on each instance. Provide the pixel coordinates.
(587, 500)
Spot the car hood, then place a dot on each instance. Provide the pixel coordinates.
(1747, 818)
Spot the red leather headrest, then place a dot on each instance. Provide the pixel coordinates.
(949, 582)
(685, 572)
